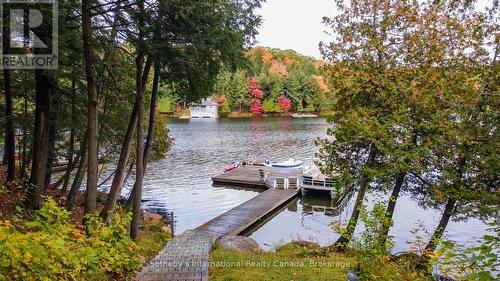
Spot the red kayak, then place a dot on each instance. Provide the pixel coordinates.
(231, 166)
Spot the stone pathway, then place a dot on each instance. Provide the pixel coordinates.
(184, 258)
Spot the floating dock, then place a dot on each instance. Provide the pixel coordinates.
(256, 176)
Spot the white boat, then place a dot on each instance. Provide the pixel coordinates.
(289, 164)
(304, 115)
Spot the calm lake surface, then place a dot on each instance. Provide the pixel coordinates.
(182, 182)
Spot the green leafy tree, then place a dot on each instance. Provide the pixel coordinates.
(367, 107)
(270, 106)
(240, 97)
(410, 109)
(303, 90)
(223, 84)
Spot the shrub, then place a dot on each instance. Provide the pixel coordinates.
(50, 248)
(478, 262)
(375, 261)
(166, 105)
(256, 107)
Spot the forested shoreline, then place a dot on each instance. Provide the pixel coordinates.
(272, 81)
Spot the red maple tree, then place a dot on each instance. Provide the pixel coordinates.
(284, 103)
(256, 92)
(256, 107)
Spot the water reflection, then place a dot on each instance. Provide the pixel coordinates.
(309, 218)
(316, 204)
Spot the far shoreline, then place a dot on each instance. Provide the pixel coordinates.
(183, 114)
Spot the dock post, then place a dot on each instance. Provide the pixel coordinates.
(172, 223)
(303, 191)
(333, 194)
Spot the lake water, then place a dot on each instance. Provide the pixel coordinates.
(182, 181)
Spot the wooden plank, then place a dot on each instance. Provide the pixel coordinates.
(236, 220)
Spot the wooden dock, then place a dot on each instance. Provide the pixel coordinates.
(238, 219)
(186, 256)
(250, 175)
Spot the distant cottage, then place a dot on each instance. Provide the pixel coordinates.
(206, 109)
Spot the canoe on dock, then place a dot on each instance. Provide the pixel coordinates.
(289, 164)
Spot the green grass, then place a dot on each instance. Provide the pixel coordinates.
(308, 262)
(288, 262)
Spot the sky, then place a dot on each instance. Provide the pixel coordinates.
(295, 24)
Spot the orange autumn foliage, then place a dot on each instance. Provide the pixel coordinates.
(278, 68)
(323, 87)
(267, 57)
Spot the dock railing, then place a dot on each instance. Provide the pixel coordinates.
(310, 182)
(286, 183)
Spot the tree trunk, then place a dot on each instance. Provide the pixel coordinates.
(151, 130)
(92, 113)
(136, 210)
(25, 137)
(391, 206)
(109, 51)
(119, 177)
(128, 172)
(152, 115)
(10, 143)
(40, 140)
(43, 91)
(438, 233)
(130, 200)
(134, 227)
(52, 145)
(71, 150)
(58, 182)
(450, 204)
(77, 181)
(346, 237)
